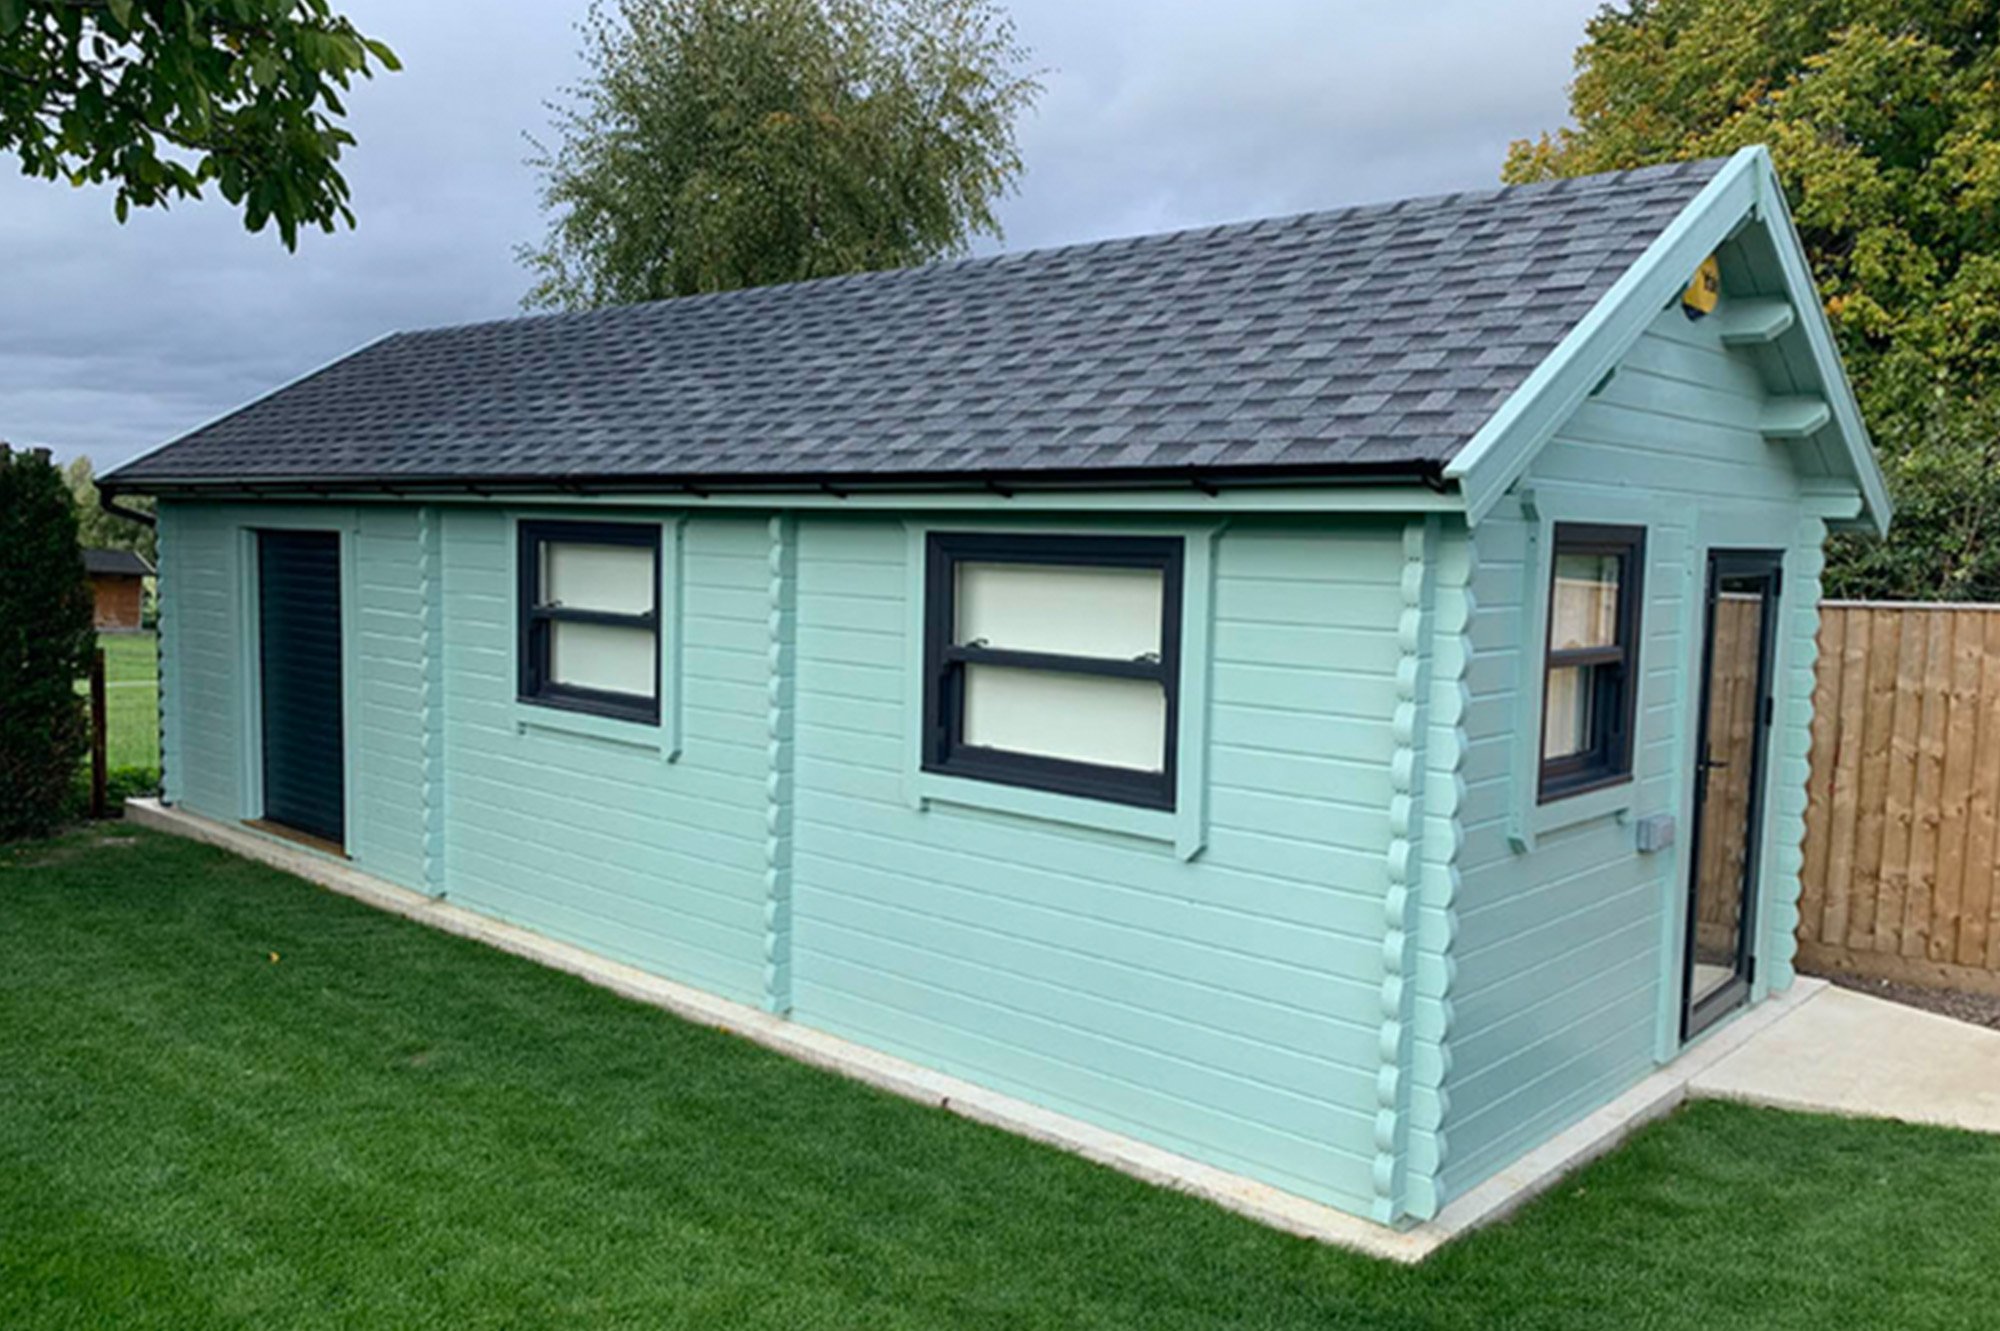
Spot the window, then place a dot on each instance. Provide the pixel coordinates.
(590, 618)
(1593, 657)
(1053, 662)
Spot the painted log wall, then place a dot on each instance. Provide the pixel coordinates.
(604, 842)
(1557, 983)
(1566, 954)
(386, 732)
(199, 687)
(207, 694)
(1230, 1006)
(1227, 1007)
(1239, 1007)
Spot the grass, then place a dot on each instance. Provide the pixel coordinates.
(228, 1099)
(131, 699)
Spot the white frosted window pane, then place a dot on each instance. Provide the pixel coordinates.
(1585, 613)
(1073, 610)
(607, 657)
(1084, 718)
(1566, 727)
(615, 578)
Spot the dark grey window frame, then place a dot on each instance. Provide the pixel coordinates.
(536, 621)
(944, 749)
(1607, 760)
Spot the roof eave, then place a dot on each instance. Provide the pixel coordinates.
(1409, 484)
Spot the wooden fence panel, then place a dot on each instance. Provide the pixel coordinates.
(1885, 632)
(1902, 849)
(1981, 899)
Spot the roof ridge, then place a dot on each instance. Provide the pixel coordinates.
(1105, 244)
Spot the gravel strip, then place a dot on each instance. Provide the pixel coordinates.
(1979, 1009)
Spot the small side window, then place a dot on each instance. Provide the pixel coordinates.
(1053, 662)
(1590, 685)
(590, 618)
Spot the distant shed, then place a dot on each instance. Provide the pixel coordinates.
(117, 588)
(1329, 696)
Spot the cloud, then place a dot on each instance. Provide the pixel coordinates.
(1155, 115)
(1159, 116)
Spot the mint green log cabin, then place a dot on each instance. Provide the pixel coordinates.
(1254, 690)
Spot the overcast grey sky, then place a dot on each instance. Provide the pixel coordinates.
(1156, 114)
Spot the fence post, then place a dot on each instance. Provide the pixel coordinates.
(98, 773)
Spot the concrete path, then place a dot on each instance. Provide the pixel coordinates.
(1840, 1052)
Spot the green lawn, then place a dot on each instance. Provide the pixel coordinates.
(131, 699)
(228, 1099)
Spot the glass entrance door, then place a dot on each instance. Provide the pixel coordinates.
(1731, 758)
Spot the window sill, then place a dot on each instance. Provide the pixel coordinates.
(648, 736)
(1573, 810)
(1174, 827)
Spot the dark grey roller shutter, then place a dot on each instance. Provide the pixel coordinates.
(298, 586)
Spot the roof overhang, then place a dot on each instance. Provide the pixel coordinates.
(1745, 193)
(1399, 488)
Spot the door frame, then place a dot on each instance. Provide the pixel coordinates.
(1718, 562)
(344, 523)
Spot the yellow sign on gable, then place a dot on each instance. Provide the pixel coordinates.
(1703, 290)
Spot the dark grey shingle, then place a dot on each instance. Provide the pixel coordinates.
(119, 562)
(1381, 336)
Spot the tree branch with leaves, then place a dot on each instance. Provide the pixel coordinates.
(162, 98)
(1883, 118)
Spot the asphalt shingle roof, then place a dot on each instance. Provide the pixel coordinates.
(123, 562)
(1378, 337)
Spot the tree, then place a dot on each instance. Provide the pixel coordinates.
(162, 97)
(99, 530)
(46, 643)
(1884, 122)
(730, 143)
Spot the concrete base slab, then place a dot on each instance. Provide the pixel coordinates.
(1497, 1197)
(1848, 1053)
